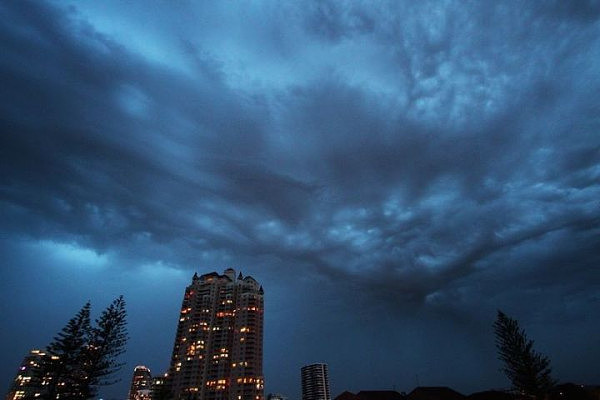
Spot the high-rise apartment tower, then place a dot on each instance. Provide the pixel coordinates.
(218, 345)
(35, 377)
(315, 382)
(141, 384)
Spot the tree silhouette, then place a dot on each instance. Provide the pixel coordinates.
(528, 370)
(88, 355)
(69, 379)
(107, 342)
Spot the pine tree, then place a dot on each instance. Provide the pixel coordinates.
(88, 355)
(69, 345)
(528, 370)
(106, 343)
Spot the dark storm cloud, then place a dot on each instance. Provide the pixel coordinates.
(335, 21)
(427, 163)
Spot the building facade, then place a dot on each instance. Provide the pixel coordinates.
(218, 347)
(315, 382)
(141, 384)
(276, 396)
(159, 388)
(34, 378)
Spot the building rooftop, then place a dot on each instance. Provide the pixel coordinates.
(491, 395)
(434, 393)
(380, 395)
(346, 395)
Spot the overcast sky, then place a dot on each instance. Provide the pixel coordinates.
(391, 172)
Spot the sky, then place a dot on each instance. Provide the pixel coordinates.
(392, 172)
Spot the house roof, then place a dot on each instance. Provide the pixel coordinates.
(434, 393)
(347, 396)
(380, 395)
(491, 395)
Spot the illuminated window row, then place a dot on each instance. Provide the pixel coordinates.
(216, 382)
(222, 314)
(258, 381)
(240, 364)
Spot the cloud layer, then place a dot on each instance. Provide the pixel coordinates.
(411, 167)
